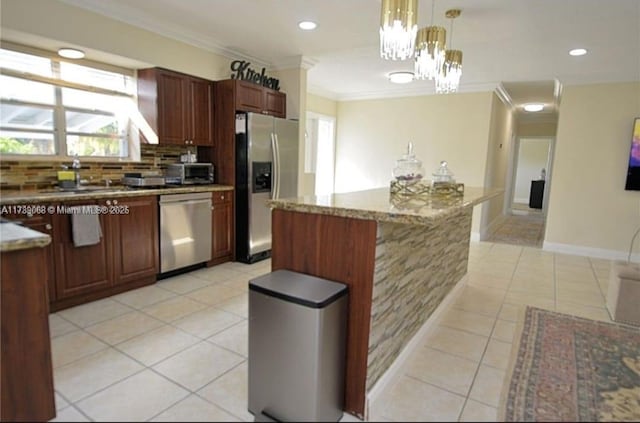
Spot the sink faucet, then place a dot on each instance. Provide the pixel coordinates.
(75, 165)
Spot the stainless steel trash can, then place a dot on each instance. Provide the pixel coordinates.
(297, 337)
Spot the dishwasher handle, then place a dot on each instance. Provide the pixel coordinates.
(185, 202)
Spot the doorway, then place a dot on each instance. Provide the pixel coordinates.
(527, 193)
(531, 175)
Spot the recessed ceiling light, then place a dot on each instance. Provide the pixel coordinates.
(401, 77)
(307, 25)
(533, 107)
(71, 53)
(578, 52)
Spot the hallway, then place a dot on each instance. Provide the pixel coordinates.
(524, 227)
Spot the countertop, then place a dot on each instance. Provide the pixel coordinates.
(96, 193)
(377, 204)
(14, 237)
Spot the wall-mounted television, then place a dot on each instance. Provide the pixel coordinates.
(633, 175)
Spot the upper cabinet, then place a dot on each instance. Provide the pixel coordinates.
(250, 97)
(178, 107)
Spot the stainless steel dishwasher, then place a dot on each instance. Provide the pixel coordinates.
(185, 230)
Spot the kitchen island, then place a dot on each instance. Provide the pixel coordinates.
(25, 364)
(399, 256)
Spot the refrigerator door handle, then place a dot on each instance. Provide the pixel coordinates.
(275, 177)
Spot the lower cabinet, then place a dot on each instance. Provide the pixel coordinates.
(25, 363)
(135, 240)
(43, 224)
(222, 238)
(126, 256)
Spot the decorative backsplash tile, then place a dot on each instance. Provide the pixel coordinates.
(30, 175)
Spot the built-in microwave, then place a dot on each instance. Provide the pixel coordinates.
(189, 173)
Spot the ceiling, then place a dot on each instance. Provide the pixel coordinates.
(520, 45)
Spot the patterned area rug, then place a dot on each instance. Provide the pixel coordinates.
(520, 230)
(573, 369)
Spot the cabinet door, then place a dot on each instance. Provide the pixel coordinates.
(172, 109)
(201, 111)
(275, 103)
(222, 224)
(43, 224)
(249, 97)
(80, 270)
(134, 235)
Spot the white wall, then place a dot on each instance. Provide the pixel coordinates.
(533, 154)
(24, 21)
(589, 210)
(373, 134)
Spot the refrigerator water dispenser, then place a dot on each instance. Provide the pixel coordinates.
(261, 177)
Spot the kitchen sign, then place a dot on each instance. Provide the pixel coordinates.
(240, 70)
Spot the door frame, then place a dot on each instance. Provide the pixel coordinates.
(513, 172)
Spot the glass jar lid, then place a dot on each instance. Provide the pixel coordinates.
(443, 173)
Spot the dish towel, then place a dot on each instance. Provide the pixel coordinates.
(85, 227)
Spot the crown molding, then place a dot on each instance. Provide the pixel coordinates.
(166, 29)
(321, 92)
(504, 96)
(413, 92)
(302, 62)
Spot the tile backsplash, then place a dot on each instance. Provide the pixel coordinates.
(29, 175)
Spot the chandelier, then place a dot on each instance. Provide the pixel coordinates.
(398, 29)
(400, 39)
(430, 47)
(448, 79)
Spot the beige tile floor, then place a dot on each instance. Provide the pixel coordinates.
(177, 350)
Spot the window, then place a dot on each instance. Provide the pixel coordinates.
(52, 108)
(320, 151)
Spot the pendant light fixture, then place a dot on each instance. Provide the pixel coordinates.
(449, 78)
(398, 29)
(430, 50)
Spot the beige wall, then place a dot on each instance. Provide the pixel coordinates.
(58, 21)
(321, 105)
(498, 152)
(373, 134)
(537, 129)
(588, 206)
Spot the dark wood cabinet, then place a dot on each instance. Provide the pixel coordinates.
(80, 270)
(222, 240)
(26, 368)
(125, 258)
(134, 238)
(252, 97)
(41, 223)
(177, 106)
(275, 103)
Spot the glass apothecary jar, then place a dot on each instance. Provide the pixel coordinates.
(408, 169)
(442, 181)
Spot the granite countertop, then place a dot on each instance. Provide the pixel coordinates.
(96, 193)
(14, 237)
(377, 204)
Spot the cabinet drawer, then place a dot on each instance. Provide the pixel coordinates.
(220, 197)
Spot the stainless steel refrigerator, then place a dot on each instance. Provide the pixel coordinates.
(266, 168)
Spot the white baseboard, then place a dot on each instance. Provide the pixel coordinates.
(521, 200)
(589, 251)
(396, 370)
